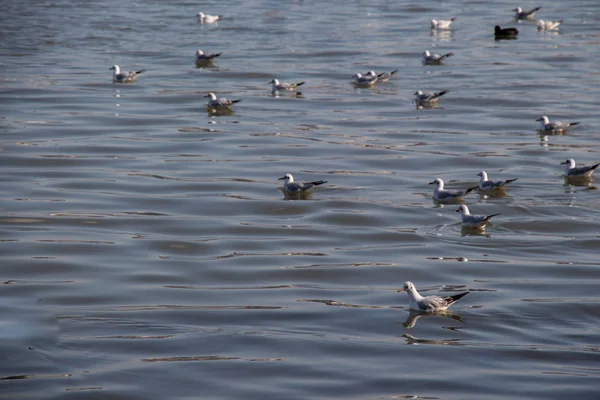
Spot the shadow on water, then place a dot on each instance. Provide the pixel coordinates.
(414, 316)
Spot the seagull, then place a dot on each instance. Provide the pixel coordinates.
(435, 58)
(208, 19)
(365, 80)
(557, 126)
(571, 171)
(442, 23)
(297, 187)
(506, 32)
(473, 221)
(384, 76)
(428, 97)
(276, 86)
(548, 25)
(520, 14)
(204, 57)
(441, 194)
(485, 184)
(214, 101)
(128, 77)
(430, 303)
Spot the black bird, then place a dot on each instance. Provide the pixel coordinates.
(506, 32)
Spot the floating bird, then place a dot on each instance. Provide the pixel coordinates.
(441, 194)
(434, 58)
(547, 25)
(428, 97)
(473, 221)
(297, 187)
(520, 14)
(128, 77)
(215, 102)
(442, 23)
(276, 86)
(485, 184)
(572, 171)
(384, 76)
(430, 303)
(556, 126)
(364, 80)
(506, 32)
(208, 19)
(204, 57)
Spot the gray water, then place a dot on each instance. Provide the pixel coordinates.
(148, 252)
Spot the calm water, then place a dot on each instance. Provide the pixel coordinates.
(147, 251)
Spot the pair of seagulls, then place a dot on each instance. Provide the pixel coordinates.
(370, 78)
(485, 184)
(541, 24)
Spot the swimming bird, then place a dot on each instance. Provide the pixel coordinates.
(506, 32)
(384, 76)
(277, 86)
(208, 19)
(485, 184)
(434, 58)
(473, 221)
(430, 303)
(428, 97)
(364, 80)
(442, 23)
(556, 126)
(572, 171)
(128, 77)
(441, 194)
(205, 57)
(547, 25)
(214, 101)
(297, 187)
(520, 14)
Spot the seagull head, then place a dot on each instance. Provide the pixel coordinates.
(426, 53)
(199, 53)
(357, 75)
(408, 287)
(371, 73)
(543, 119)
(115, 68)
(438, 182)
(517, 10)
(463, 209)
(570, 162)
(201, 15)
(418, 93)
(274, 81)
(287, 178)
(483, 175)
(211, 95)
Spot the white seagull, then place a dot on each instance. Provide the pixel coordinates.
(473, 221)
(441, 194)
(485, 184)
(208, 19)
(277, 86)
(365, 80)
(384, 76)
(548, 25)
(430, 303)
(128, 77)
(434, 58)
(204, 57)
(520, 14)
(557, 126)
(297, 187)
(214, 101)
(442, 23)
(428, 97)
(572, 171)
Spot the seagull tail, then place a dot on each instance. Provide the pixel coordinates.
(317, 183)
(217, 54)
(510, 180)
(394, 72)
(490, 216)
(469, 190)
(300, 84)
(452, 19)
(456, 297)
(440, 94)
(447, 55)
(573, 123)
(235, 101)
(140, 71)
(535, 10)
(593, 167)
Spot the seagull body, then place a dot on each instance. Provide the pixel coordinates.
(297, 187)
(215, 102)
(277, 86)
(128, 77)
(520, 14)
(203, 57)
(548, 25)
(473, 221)
(441, 194)
(506, 32)
(429, 97)
(486, 184)
(208, 19)
(384, 76)
(572, 171)
(434, 58)
(441, 23)
(365, 80)
(556, 126)
(430, 303)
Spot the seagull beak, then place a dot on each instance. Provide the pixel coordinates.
(282, 178)
(400, 290)
(539, 119)
(563, 163)
(431, 183)
(458, 209)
